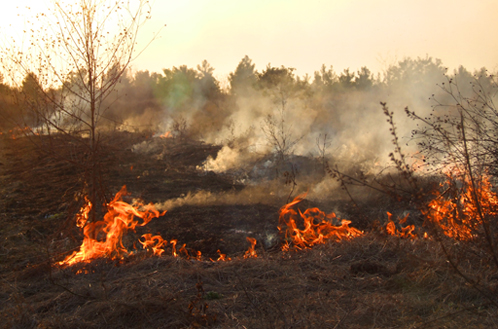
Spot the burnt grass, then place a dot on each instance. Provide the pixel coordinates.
(375, 281)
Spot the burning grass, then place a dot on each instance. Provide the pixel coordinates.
(119, 219)
(404, 232)
(362, 283)
(318, 227)
(196, 266)
(104, 239)
(460, 213)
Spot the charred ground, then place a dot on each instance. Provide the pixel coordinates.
(373, 281)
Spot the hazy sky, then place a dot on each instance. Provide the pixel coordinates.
(305, 34)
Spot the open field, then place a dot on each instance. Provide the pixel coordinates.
(372, 281)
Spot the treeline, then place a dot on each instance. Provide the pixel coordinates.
(191, 101)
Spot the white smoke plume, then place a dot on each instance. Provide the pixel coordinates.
(247, 196)
(341, 123)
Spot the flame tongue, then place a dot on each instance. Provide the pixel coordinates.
(457, 214)
(251, 252)
(406, 232)
(317, 226)
(104, 238)
(154, 243)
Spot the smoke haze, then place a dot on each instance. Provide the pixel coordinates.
(276, 126)
(272, 122)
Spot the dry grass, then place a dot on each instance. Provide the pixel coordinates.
(370, 282)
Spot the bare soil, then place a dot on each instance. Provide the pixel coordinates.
(374, 281)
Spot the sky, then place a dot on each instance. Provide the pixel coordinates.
(304, 34)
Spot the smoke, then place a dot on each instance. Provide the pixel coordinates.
(353, 123)
(229, 159)
(249, 195)
(352, 128)
(270, 121)
(267, 193)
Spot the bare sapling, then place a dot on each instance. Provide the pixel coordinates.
(66, 71)
(322, 144)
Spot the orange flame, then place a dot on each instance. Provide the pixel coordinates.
(251, 253)
(173, 248)
(458, 214)
(317, 226)
(82, 216)
(154, 243)
(406, 232)
(18, 132)
(222, 257)
(184, 251)
(166, 135)
(104, 238)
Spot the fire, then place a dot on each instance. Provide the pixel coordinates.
(82, 216)
(222, 258)
(166, 135)
(406, 232)
(302, 230)
(251, 253)
(104, 238)
(173, 248)
(184, 251)
(317, 226)
(154, 243)
(458, 213)
(18, 132)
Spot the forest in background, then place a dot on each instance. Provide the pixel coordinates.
(330, 115)
(191, 102)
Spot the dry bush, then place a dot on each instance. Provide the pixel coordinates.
(459, 142)
(179, 128)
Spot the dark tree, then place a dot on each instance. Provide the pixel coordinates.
(244, 78)
(364, 79)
